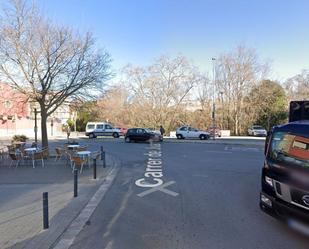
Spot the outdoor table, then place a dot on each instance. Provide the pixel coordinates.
(73, 146)
(84, 154)
(30, 149)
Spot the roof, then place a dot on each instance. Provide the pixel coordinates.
(300, 128)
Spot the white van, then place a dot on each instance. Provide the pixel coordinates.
(94, 129)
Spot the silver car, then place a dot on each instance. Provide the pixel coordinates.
(257, 130)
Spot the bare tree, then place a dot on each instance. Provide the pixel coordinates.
(48, 63)
(160, 91)
(237, 72)
(297, 87)
(113, 107)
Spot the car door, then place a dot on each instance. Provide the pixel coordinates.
(132, 134)
(144, 135)
(108, 130)
(183, 131)
(139, 135)
(99, 131)
(193, 132)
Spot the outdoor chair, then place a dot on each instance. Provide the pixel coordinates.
(15, 157)
(78, 162)
(45, 152)
(60, 153)
(69, 154)
(38, 156)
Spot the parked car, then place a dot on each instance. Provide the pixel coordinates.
(141, 134)
(154, 130)
(217, 131)
(257, 130)
(190, 132)
(95, 129)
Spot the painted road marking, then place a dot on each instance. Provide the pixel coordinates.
(242, 149)
(160, 188)
(153, 177)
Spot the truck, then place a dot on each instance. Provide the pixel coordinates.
(285, 174)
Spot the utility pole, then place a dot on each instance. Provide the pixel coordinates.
(213, 98)
(35, 126)
(52, 126)
(222, 106)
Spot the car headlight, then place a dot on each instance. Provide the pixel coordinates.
(269, 181)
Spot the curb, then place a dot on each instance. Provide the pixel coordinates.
(65, 226)
(71, 233)
(215, 142)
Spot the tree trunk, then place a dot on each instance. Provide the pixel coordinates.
(236, 125)
(44, 126)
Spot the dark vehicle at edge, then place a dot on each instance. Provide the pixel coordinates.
(142, 135)
(285, 175)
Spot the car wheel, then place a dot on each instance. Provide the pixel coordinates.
(179, 136)
(91, 135)
(127, 140)
(115, 135)
(202, 137)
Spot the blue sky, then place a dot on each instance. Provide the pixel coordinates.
(138, 31)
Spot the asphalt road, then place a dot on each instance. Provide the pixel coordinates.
(211, 201)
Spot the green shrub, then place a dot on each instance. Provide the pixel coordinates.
(20, 138)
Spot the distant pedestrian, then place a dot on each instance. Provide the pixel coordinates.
(162, 131)
(68, 132)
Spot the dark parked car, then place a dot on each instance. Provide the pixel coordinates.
(141, 134)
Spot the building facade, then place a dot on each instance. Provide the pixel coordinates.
(17, 115)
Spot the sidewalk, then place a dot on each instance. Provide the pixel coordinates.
(240, 141)
(21, 200)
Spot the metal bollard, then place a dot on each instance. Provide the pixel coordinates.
(102, 152)
(104, 161)
(75, 182)
(94, 168)
(45, 210)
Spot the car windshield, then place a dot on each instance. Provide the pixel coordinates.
(289, 149)
(258, 128)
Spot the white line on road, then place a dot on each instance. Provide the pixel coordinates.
(220, 152)
(160, 188)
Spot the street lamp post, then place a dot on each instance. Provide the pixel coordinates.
(52, 127)
(222, 106)
(35, 126)
(213, 98)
